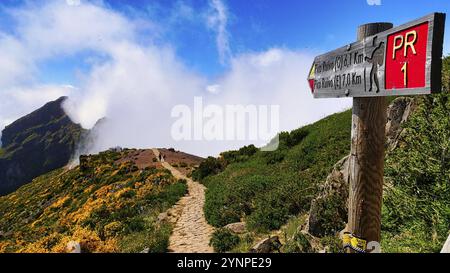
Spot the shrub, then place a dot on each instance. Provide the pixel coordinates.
(155, 239)
(270, 214)
(333, 244)
(208, 167)
(135, 224)
(240, 155)
(128, 193)
(274, 156)
(223, 240)
(293, 138)
(298, 244)
(419, 175)
(113, 229)
(329, 214)
(269, 187)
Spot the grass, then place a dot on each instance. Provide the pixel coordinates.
(154, 238)
(292, 225)
(223, 240)
(267, 188)
(246, 242)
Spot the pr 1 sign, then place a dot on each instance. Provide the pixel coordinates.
(405, 60)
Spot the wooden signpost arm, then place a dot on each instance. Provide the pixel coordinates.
(367, 158)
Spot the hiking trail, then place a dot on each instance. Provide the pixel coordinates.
(191, 233)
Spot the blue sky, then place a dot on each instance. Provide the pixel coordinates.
(252, 25)
(256, 25)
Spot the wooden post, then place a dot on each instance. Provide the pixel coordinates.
(366, 161)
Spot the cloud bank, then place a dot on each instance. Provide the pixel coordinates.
(136, 85)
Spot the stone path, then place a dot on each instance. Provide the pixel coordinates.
(191, 233)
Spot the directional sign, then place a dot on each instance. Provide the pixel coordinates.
(405, 60)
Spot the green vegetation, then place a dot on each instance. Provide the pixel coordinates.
(212, 165)
(103, 205)
(298, 243)
(266, 188)
(416, 211)
(246, 242)
(36, 144)
(1, 152)
(224, 240)
(152, 237)
(208, 167)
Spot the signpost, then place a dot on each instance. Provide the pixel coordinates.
(385, 61)
(405, 60)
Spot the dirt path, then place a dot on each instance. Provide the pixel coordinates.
(191, 233)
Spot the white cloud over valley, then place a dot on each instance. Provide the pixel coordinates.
(136, 85)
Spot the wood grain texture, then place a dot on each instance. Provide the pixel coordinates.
(367, 158)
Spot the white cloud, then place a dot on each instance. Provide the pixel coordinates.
(273, 77)
(20, 100)
(276, 77)
(373, 2)
(218, 20)
(213, 89)
(135, 91)
(52, 30)
(73, 2)
(136, 86)
(56, 28)
(15, 64)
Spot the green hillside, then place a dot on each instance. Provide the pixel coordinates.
(416, 210)
(270, 189)
(105, 205)
(36, 144)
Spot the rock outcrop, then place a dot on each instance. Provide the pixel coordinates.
(267, 245)
(397, 113)
(328, 212)
(237, 228)
(73, 247)
(36, 144)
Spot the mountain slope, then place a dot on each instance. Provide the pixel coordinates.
(110, 203)
(35, 144)
(268, 190)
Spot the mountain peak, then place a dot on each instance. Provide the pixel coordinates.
(36, 144)
(50, 111)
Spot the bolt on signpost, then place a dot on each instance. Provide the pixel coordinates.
(385, 61)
